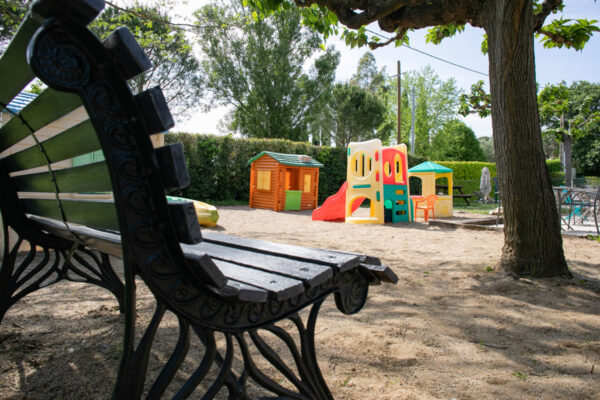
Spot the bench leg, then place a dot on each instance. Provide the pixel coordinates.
(308, 382)
(24, 272)
(95, 267)
(20, 277)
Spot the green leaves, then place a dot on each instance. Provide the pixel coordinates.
(253, 63)
(356, 38)
(436, 34)
(477, 102)
(568, 33)
(456, 142)
(578, 106)
(175, 68)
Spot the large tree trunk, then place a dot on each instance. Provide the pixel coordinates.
(533, 244)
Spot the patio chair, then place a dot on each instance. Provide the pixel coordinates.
(429, 205)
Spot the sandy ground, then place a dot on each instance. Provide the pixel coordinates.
(452, 328)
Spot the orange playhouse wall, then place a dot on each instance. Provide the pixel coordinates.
(260, 198)
(275, 198)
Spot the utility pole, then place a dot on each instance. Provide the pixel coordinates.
(412, 126)
(399, 108)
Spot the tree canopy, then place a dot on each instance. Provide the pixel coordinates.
(11, 15)
(573, 112)
(174, 65)
(456, 142)
(255, 65)
(436, 102)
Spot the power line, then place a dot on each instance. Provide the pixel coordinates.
(432, 56)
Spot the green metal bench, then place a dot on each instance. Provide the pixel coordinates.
(214, 283)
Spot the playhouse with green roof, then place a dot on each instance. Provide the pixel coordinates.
(281, 181)
(430, 173)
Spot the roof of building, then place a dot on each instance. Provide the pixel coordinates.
(429, 166)
(295, 160)
(20, 101)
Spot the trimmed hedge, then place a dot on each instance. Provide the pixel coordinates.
(219, 169)
(468, 174)
(554, 166)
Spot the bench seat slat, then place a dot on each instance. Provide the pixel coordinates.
(341, 261)
(77, 140)
(280, 287)
(93, 213)
(14, 70)
(44, 109)
(110, 243)
(243, 292)
(311, 274)
(86, 178)
(382, 272)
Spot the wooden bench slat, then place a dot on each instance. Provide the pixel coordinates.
(280, 287)
(77, 140)
(383, 272)
(340, 261)
(14, 70)
(100, 214)
(86, 178)
(106, 242)
(110, 243)
(243, 292)
(44, 109)
(311, 274)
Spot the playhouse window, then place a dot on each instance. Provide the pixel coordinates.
(263, 180)
(307, 184)
(362, 164)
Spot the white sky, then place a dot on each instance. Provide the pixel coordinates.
(552, 65)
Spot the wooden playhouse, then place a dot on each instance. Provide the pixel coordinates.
(284, 181)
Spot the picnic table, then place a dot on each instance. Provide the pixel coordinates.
(460, 194)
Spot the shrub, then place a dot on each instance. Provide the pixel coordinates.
(219, 169)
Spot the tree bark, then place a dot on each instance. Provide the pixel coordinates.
(533, 243)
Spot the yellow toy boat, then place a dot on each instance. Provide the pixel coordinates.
(207, 214)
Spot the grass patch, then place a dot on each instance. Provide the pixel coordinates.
(594, 237)
(519, 375)
(227, 202)
(474, 208)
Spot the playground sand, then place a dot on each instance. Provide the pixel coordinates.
(452, 328)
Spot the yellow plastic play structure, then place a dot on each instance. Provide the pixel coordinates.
(429, 172)
(206, 214)
(379, 174)
(364, 180)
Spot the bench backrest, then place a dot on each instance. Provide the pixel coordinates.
(54, 44)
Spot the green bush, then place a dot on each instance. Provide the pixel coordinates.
(468, 173)
(554, 167)
(219, 169)
(592, 180)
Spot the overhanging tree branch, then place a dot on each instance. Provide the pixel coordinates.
(547, 7)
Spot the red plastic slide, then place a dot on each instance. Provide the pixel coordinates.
(333, 208)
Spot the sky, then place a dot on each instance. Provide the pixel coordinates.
(552, 65)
